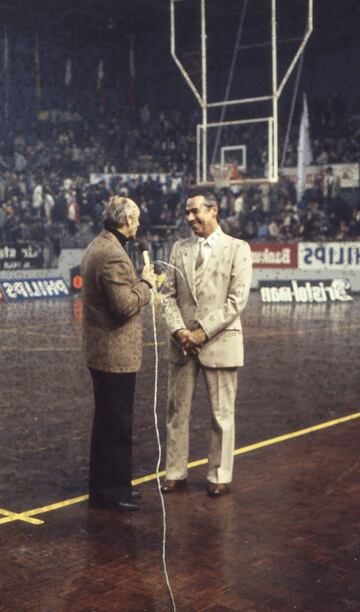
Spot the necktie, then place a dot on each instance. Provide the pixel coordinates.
(199, 265)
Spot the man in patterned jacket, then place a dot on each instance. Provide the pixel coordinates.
(113, 297)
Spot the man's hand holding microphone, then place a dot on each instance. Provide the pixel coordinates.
(147, 274)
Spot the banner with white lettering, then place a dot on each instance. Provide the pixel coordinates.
(172, 182)
(348, 174)
(274, 255)
(19, 290)
(329, 255)
(22, 257)
(305, 292)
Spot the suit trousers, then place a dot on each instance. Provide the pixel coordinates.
(221, 385)
(111, 442)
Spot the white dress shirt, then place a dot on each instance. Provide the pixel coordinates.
(208, 244)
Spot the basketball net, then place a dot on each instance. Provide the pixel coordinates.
(228, 174)
(222, 174)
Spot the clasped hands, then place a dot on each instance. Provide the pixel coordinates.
(190, 341)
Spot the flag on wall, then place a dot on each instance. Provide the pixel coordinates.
(37, 73)
(100, 83)
(132, 75)
(69, 81)
(304, 149)
(68, 73)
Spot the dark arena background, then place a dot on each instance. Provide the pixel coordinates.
(93, 103)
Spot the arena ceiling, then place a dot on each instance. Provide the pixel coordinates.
(87, 30)
(337, 21)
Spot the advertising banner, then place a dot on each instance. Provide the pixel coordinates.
(329, 255)
(20, 290)
(305, 292)
(274, 255)
(21, 257)
(158, 177)
(348, 174)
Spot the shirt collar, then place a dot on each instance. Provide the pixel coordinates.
(210, 240)
(119, 235)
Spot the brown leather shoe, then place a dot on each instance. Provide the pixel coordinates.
(169, 486)
(217, 489)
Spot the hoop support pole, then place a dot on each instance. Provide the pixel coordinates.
(235, 122)
(240, 101)
(183, 71)
(204, 89)
(310, 27)
(274, 141)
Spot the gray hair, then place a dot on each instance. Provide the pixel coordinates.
(116, 210)
(210, 197)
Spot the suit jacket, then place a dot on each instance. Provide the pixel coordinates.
(222, 295)
(113, 297)
(331, 188)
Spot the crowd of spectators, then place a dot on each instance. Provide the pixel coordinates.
(46, 193)
(275, 214)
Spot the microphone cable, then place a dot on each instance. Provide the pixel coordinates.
(144, 248)
(159, 449)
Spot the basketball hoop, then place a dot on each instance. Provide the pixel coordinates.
(226, 175)
(221, 175)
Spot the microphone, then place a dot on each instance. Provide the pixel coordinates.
(144, 249)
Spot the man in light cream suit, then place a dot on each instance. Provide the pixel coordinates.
(206, 289)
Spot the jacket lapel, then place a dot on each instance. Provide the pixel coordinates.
(219, 254)
(188, 256)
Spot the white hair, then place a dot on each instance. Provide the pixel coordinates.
(116, 211)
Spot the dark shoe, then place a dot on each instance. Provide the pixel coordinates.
(169, 486)
(216, 489)
(135, 493)
(116, 504)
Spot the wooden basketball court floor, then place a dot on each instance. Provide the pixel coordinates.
(287, 538)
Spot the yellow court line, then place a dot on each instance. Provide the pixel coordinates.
(63, 504)
(15, 516)
(296, 434)
(25, 516)
(252, 447)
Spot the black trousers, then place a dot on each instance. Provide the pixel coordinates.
(111, 442)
